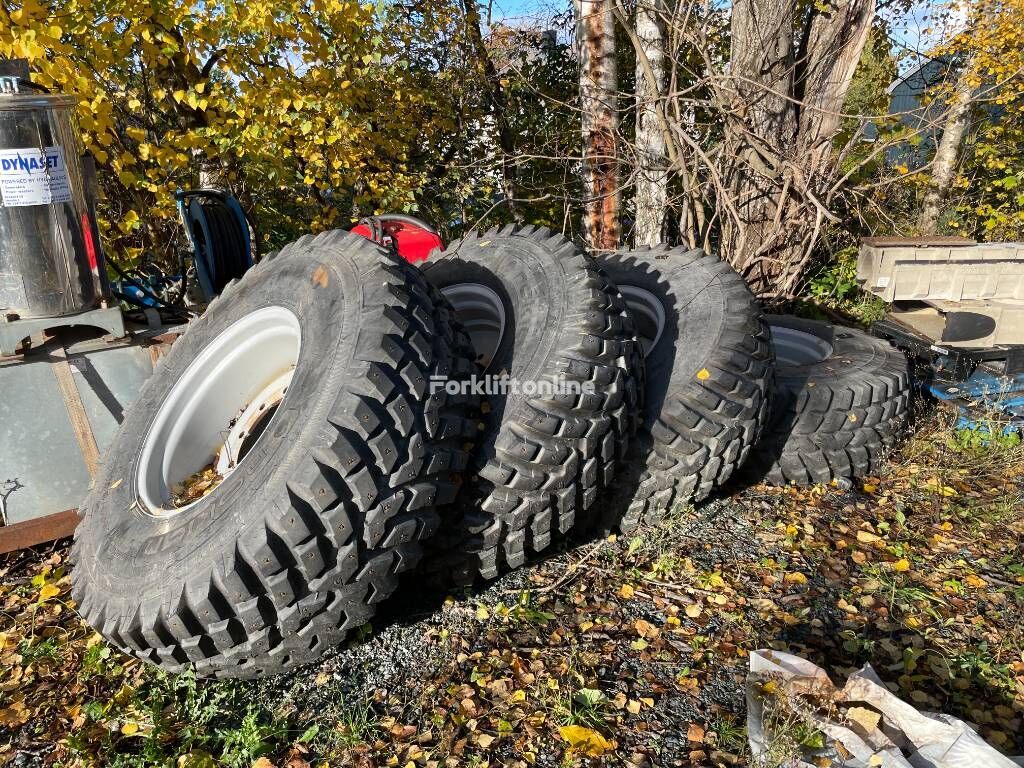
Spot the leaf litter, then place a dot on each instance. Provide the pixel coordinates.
(631, 650)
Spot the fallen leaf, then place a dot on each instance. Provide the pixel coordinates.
(866, 718)
(585, 741)
(48, 591)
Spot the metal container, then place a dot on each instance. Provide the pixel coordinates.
(48, 252)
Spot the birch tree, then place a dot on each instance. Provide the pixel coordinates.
(651, 195)
(957, 117)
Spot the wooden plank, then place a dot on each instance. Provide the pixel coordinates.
(76, 409)
(923, 242)
(41, 529)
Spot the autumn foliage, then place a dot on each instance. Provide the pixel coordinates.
(290, 103)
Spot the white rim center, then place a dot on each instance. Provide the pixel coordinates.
(797, 348)
(648, 315)
(217, 411)
(482, 313)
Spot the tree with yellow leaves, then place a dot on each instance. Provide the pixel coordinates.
(290, 104)
(987, 94)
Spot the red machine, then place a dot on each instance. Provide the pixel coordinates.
(414, 240)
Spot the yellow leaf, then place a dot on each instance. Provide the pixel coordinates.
(585, 740)
(795, 578)
(48, 591)
(693, 610)
(130, 728)
(626, 591)
(901, 565)
(867, 719)
(178, 95)
(703, 374)
(867, 537)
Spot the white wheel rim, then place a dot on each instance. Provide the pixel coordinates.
(648, 315)
(795, 348)
(482, 313)
(229, 393)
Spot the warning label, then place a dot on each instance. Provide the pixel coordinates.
(33, 177)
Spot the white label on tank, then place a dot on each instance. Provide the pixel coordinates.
(33, 177)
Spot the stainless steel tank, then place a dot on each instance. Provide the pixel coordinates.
(48, 254)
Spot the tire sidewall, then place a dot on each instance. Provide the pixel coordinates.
(527, 279)
(687, 287)
(141, 553)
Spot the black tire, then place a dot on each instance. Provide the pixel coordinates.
(835, 418)
(709, 377)
(544, 459)
(297, 545)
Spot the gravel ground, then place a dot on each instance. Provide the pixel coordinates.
(630, 650)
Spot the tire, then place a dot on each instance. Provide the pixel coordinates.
(709, 377)
(545, 458)
(842, 399)
(298, 543)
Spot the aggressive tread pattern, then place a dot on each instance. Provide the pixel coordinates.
(548, 459)
(713, 374)
(359, 502)
(840, 420)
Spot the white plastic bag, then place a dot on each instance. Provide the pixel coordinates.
(902, 738)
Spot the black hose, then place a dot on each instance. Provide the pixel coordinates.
(223, 242)
(145, 291)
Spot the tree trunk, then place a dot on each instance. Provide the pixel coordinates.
(497, 102)
(786, 110)
(944, 163)
(758, 93)
(595, 33)
(652, 161)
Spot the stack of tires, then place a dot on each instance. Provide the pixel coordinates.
(337, 413)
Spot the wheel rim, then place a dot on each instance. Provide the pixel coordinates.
(648, 315)
(219, 408)
(795, 348)
(482, 313)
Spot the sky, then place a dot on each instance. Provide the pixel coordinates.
(918, 30)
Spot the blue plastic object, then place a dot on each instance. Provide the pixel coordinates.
(983, 395)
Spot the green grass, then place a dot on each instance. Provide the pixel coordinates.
(587, 707)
